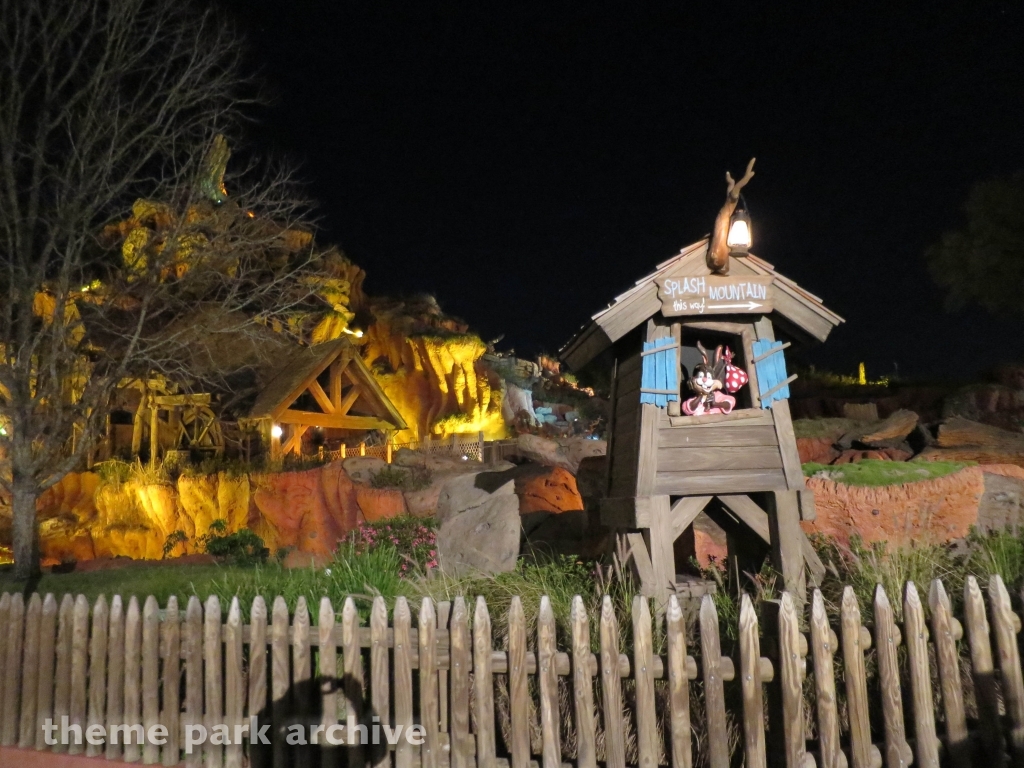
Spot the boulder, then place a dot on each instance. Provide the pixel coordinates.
(818, 450)
(882, 454)
(577, 533)
(380, 503)
(479, 525)
(592, 477)
(704, 541)
(543, 451)
(362, 468)
(406, 457)
(577, 449)
(551, 490)
(515, 401)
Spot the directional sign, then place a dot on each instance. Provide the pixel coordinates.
(714, 295)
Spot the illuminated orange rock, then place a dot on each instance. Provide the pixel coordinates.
(551, 490)
(380, 503)
(930, 511)
(309, 511)
(430, 368)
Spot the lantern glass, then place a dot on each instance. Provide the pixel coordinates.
(739, 239)
(276, 431)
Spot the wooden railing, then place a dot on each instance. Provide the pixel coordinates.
(534, 701)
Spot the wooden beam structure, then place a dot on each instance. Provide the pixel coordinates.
(333, 420)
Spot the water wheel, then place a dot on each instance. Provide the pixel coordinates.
(200, 430)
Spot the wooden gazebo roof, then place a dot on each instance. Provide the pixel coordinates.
(797, 311)
(352, 400)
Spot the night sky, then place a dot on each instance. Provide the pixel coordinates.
(527, 162)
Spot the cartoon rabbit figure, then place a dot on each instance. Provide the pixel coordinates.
(708, 381)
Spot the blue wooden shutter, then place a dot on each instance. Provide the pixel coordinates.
(660, 372)
(771, 371)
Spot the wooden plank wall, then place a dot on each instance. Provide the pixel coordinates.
(622, 465)
(720, 457)
(438, 666)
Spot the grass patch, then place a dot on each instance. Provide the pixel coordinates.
(876, 472)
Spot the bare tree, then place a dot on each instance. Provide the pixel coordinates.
(108, 106)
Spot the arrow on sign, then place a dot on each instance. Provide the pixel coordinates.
(749, 306)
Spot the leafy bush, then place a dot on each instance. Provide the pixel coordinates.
(174, 538)
(242, 547)
(402, 478)
(413, 538)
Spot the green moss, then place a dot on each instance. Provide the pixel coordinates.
(873, 472)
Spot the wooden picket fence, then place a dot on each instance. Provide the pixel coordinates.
(117, 664)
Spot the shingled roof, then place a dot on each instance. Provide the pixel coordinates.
(796, 311)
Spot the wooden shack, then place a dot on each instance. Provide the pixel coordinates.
(741, 468)
(245, 389)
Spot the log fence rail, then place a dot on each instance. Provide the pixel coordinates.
(120, 663)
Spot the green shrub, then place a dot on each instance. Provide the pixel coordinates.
(174, 538)
(242, 547)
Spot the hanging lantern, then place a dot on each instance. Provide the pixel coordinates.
(739, 239)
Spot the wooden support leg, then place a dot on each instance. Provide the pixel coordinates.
(787, 541)
(660, 538)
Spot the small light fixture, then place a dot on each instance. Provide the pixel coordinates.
(276, 431)
(739, 239)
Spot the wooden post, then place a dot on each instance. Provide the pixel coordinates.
(714, 692)
(480, 443)
(659, 539)
(47, 648)
(784, 624)
(234, 682)
(150, 676)
(483, 687)
(362, 448)
(115, 674)
(214, 670)
(678, 686)
(920, 678)
(404, 754)
(948, 660)
(79, 660)
(1005, 624)
(611, 688)
(30, 672)
(429, 714)
(280, 674)
(548, 677)
(646, 714)
(897, 751)
(460, 659)
(62, 673)
(387, 448)
(343, 447)
(172, 681)
(354, 689)
(751, 687)
(98, 669)
(786, 541)
(154, 434)
(582, 685)
(983, 671)
(518, 693)
(193, 647)
(380, 673)
(855, 644)
(823, 648)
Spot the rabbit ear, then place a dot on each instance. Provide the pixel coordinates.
(718, 354)
(703, 353)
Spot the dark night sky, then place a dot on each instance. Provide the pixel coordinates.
(527, 162)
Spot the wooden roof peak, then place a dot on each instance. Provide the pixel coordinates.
(298, 372)
(799, 309)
